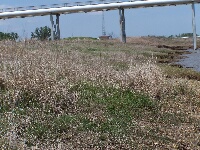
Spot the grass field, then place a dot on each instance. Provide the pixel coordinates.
(91, 94)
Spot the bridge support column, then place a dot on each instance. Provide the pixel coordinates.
(52, 27)
(55, 28)
(194, 28)
(58, 27)
(122, 25)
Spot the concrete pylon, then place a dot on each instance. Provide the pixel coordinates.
(58, 26)
(52, 27)
(55, 28)
(122, 25)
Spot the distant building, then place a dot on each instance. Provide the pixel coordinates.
(105, 37)
(185, 37)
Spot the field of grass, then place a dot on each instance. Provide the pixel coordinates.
(91, 94)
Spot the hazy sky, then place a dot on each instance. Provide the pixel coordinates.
(139, 22)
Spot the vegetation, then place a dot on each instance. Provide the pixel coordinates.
(80, 38)
(185, 35)
(8, 36)
(175, 36)
(42, 33)
(91, 94)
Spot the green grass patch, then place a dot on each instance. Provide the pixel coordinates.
(38, 129)
(120, 107)
(63, 123)
(123, 99)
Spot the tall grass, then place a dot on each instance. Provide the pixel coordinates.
(87, 94)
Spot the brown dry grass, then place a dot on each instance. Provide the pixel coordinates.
(79, 90)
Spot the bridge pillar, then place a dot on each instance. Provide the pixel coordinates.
(122, 25)
(194, 28)
(52, 27)
(58, 27)
(55, 28)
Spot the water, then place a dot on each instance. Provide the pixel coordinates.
(191, 60)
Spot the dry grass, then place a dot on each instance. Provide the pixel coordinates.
(86, 94)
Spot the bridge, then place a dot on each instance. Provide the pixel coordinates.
(90, 6)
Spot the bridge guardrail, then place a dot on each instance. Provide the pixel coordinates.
(20, 9)
(11, 9)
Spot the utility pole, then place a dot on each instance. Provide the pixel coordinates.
(103, 21)
(194, 28)
(103, 25)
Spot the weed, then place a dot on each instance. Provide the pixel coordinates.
(38, 129)
(63, 123)
(89, 94)
(176, 72)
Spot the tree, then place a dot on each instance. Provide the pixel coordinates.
(186, 35)
(42, 33)
(13, 36)
(8, 36)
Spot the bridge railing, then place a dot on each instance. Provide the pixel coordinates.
(12, 9)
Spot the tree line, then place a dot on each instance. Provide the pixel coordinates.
(8, 36)
(44, 33)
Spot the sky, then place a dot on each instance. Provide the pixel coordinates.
(159, 21)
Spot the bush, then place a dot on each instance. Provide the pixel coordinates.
(42, 33)
(8, 36)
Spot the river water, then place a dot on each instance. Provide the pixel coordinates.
(191, 60)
